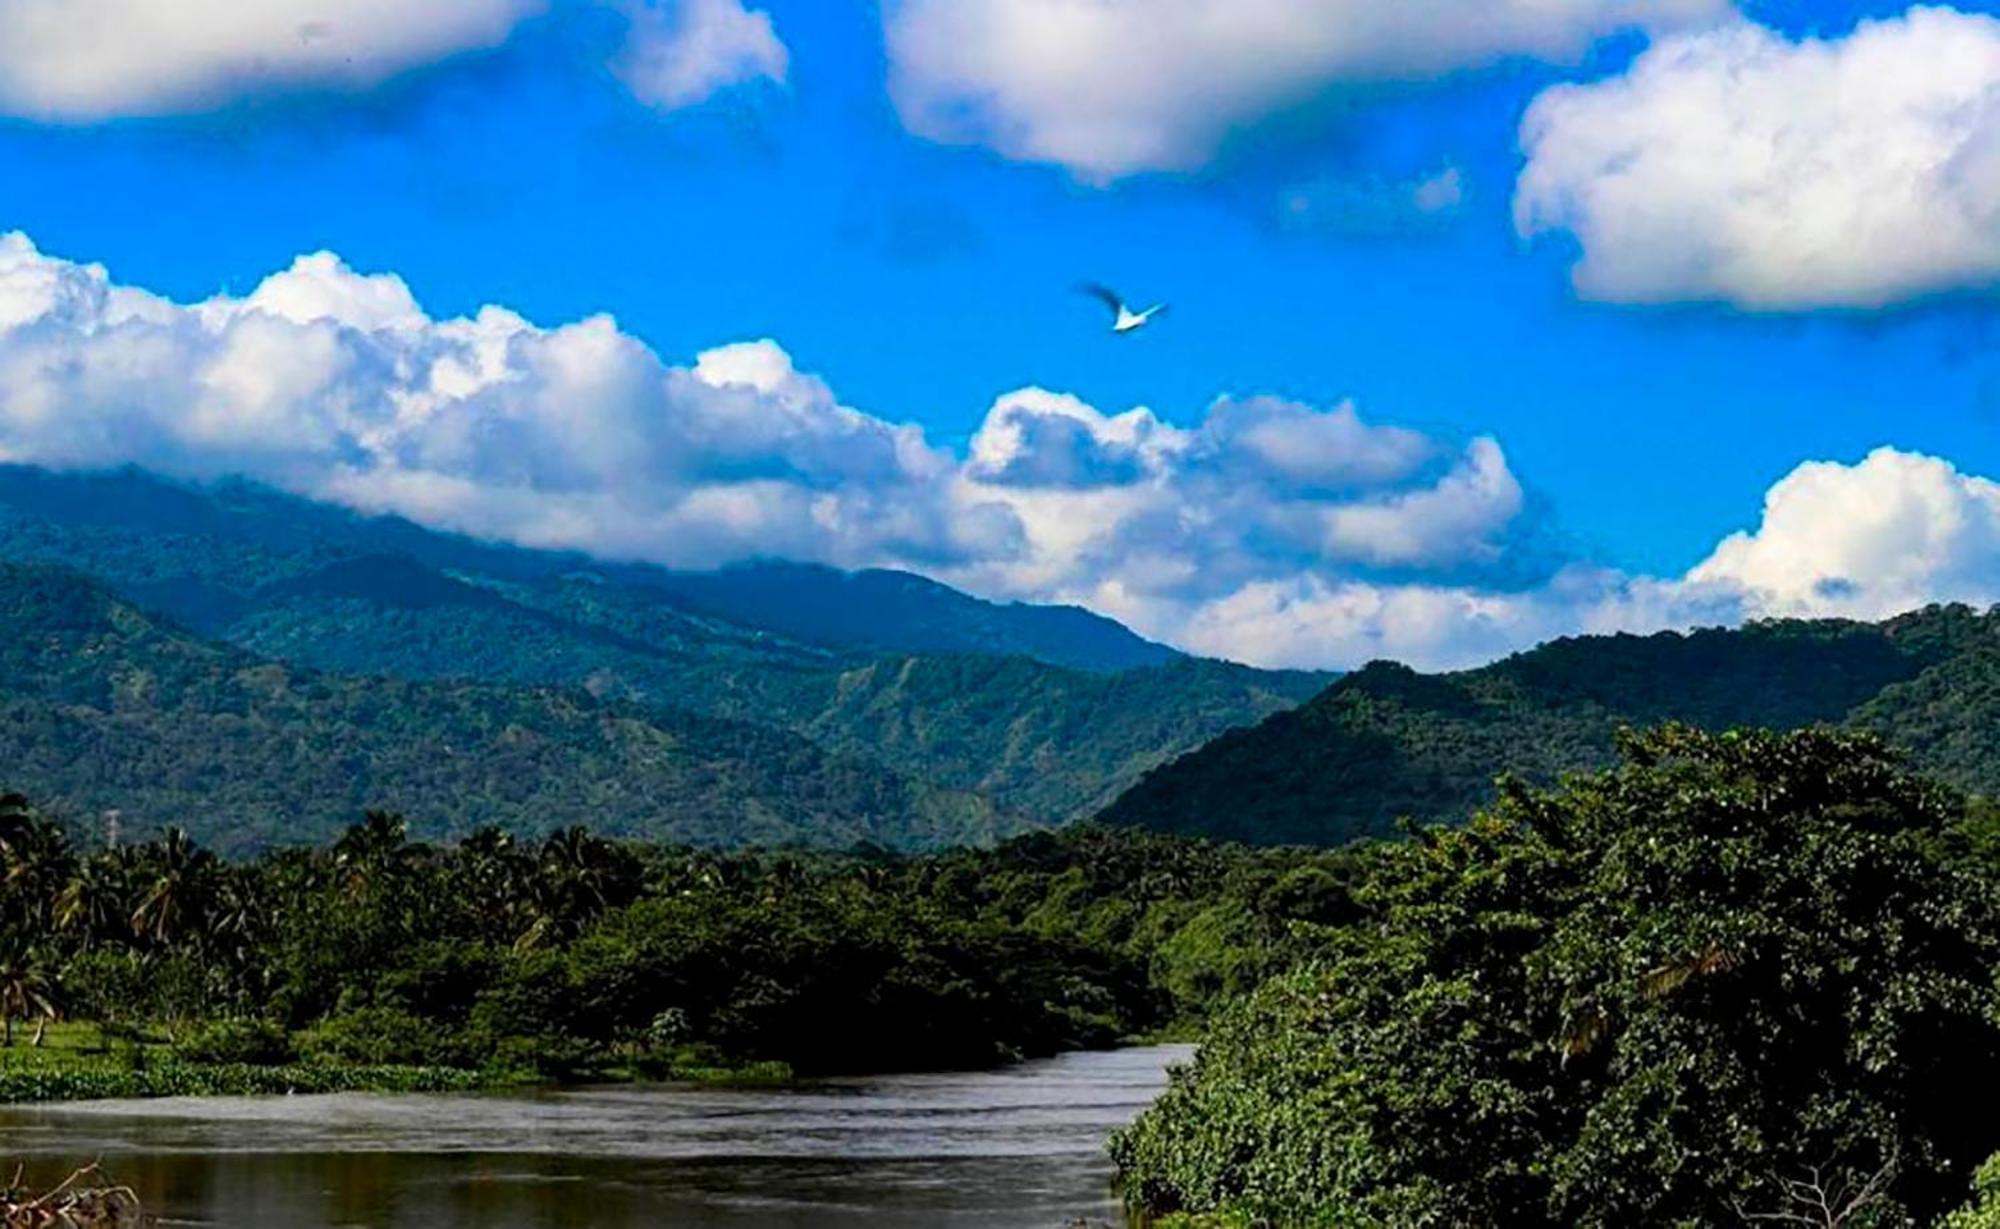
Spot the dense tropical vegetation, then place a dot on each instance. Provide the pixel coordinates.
(1734, 979)
(378, 960)
(108, 709)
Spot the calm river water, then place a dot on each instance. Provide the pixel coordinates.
(1022, 1147)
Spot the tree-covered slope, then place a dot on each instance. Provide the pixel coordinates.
(302, 583)
(103, 706)
(1042, 740)
(1387, 742)
(1054, 744)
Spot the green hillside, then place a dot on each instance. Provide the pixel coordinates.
(1049, 742)
(103, 706)
(1387, 742)
(314, 586)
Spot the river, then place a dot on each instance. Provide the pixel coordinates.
(1018, 1148)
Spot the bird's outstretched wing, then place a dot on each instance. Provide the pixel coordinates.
(1104, 295)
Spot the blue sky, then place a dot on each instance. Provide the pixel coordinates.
(921, 279)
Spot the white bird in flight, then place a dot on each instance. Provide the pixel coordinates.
(1125, 319)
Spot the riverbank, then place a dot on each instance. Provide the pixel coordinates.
(176, 1078)
(80, 1061)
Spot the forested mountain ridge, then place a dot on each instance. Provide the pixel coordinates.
(128, 523)
(316, 586)
(1052, 743)
(103, 706)
(1387, 743)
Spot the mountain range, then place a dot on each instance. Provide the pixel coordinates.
(772, 703)
(259, 668)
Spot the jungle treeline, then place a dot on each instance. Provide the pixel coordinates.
(578, 957)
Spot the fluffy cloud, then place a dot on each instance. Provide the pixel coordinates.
(1110, 88)
(1890, 533)
(679, 54)
(1150, 521)
(90, 59)
(1866, 541)
(87, 60)
(1735, 166)
(338, 385)
(1266, 530)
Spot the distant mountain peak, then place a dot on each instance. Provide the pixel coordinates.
(886, 610)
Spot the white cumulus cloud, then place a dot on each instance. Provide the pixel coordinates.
(82, 61)
(1734, 165)
(1891, 532)
(91, 59)
(339, 385)
(1147, 520)
(1109, 88)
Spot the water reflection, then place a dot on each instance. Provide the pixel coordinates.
(1020, 1147)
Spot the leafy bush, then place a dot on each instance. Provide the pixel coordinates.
(253, 1041)
(386, 1036)
(1654, 997)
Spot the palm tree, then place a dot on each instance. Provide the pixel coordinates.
(236, 914)
(578, 877)
(179, 881)
(92, 903)
(376, 850)
(27, 990)
(599, 872)
(35, 861)
(492, 880)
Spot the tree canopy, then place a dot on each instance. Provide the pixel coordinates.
(1680, 991)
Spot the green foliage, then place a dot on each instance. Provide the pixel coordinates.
(251, 1041)
(1984, 1210)
(182, 1079)
(384, 1036)
(577, 957)
(1687, 991)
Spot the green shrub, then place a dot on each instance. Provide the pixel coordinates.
(253, 1041)
(384, 1036)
